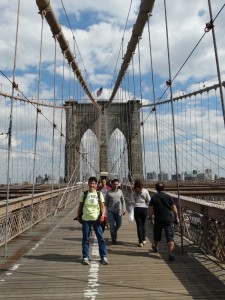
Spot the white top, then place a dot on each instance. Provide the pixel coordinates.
(142, 199)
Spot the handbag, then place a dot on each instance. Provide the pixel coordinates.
(131, 214)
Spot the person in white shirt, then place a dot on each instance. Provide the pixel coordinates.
(140, 199)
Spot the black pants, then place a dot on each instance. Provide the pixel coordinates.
(140, 216)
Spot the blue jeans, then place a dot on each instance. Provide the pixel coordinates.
(115, 221)
(86, 229)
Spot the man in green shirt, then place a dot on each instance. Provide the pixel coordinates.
(90, 213)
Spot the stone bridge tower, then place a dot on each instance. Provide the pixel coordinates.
(103, 122)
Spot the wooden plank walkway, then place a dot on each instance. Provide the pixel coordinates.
(44, 263)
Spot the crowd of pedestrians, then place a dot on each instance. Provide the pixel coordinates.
(104, 203)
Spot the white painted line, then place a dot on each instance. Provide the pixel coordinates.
(14, 267)
(92, 286)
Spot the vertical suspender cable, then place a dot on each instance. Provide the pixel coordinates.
(174, 134)
(182, 130)
(186, 137)
(133, 76)
(202, 132)
(36, 126)
(217, 60)
(190, 137)
(210, 160)
(61, 135)
(130, 169)
(217, 136)
(128, 133)
(53, 125)
(196, 130)
(10, 130)
(142, 116)
(153, 91)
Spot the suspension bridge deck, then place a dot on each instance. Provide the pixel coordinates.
(44, 263)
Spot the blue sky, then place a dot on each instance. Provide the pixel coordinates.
(98, 28)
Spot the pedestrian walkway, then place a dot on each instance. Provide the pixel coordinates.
(45, 263)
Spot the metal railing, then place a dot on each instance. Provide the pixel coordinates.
(25, 212)
(208, 230)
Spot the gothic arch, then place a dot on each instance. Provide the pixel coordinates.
(124, 116)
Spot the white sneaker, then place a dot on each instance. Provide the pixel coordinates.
(140, 244)
(144, 242)
(104, 260)
(85, 261)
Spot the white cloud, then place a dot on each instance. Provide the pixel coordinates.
(98, 27)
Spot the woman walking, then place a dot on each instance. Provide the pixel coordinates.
(140, 199)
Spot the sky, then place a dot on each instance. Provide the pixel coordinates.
(99, 32)
(98, 28)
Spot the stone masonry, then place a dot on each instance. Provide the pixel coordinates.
(103, 122)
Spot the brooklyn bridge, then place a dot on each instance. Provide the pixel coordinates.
(143, 101)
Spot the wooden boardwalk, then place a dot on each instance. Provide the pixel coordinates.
(44, 263)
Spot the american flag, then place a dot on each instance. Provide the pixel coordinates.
(99, 92)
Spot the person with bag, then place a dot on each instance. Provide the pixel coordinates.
(90, 213)
(115, 205)
(165, 213)
(140, 199)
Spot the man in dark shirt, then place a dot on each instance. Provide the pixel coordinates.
(162, 206)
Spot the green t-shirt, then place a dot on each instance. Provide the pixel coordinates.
(91, 209)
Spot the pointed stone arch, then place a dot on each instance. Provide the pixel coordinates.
(118, 152)
(89, 161)
(124, 116)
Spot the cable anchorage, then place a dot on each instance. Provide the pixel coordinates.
(169, 82)
(209, 26)
(15, 85)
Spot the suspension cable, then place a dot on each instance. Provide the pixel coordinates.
(53, 127)
(67, 187)
(121, 45)
(142, 114)
(76, 45)
(61, 129)
(36, 125)
(153, 91)
(217, 58)
(169, 82)
(195, 47)
(10, 128)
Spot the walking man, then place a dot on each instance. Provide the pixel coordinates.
(90, 213)
(115, 204)
(162, 206)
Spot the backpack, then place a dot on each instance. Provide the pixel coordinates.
(85, 196)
